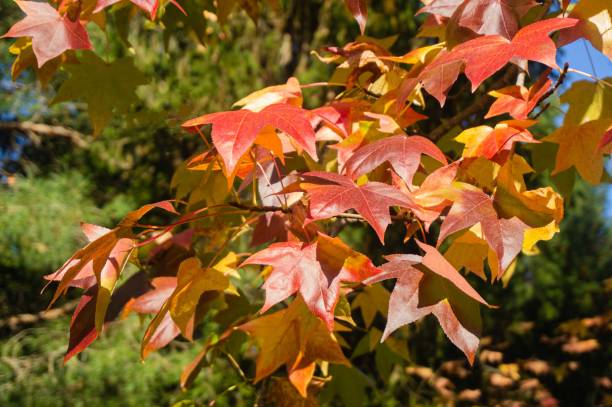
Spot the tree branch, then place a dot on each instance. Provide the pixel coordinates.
(15, 321)
(33, 129)
(474, 108)
(265, 208)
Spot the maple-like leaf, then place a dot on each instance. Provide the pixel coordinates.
(485, 17)
(488, 142)
(150, 6)
(289, 93)
(295, 338)
(482, 57)
(439, 290)
(332, 194)
(372, 300)
(51, 33)
(83, 323)
(536, 207)
(402, 152)
(314, 270)
(162, 329)
(234, 132)
(471, 206)
(587, 101)
(359, 10)
(108, 89)
(579, 147)
(103, 258)
(518, 101)
(595, 25)
(192, 282)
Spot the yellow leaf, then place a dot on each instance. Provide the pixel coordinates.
(587, 101)
(579, 147)
(534, 235)
(373, 299)
(192, 282)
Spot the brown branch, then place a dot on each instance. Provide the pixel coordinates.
(552, 90)
(34, 129)
(16, 321)
(266, 208)
(480, 103)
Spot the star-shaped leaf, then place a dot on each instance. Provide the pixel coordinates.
(518, 101)
(485, 17)
(595, 25)
(505, 236)
(402, 152)
(437, 289)
(579, 147)
(488, 142)
(314, 270)
(51, 33)
(295, 338)
(108, 89)
(332, 194)
(234, 132)
(483, 56)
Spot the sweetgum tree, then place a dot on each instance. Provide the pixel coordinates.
(262, 254)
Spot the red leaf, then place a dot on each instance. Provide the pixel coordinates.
(359, 10)
(82, 325)
(402, 152)
(518, 101)
(150, 6)
(234, 132)
(333, 194)
(314, 270)
(483, 56)
(486, 17)
(51, 33)
(504, 236)
(443, 293)
(434, 261)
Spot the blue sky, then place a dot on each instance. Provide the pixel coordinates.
(582, 56)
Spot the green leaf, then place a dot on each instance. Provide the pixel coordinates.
(108, 89)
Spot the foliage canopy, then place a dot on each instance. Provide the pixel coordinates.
(399, 146)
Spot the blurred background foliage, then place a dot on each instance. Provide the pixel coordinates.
(545, 345)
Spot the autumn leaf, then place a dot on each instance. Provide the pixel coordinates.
(587, 101)
(372, 300)
(314, 270)
(289, 93)
(504, 236)
(295, 338)
(485, 17)
(108, 89)
(234, 132)
(83, 323)
(595, 25)
(536, 207)
(25, 58)
(359, 10)
(518, 101)
(402, 152)
(51, 33)
(439, 290)
(579, 147)
(104, 257)
(482, 57)
(150, 6)
(332, 194)
(192, 282)
(488, 142)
